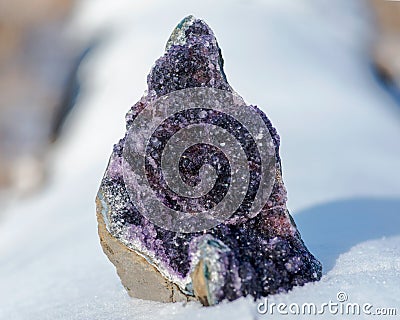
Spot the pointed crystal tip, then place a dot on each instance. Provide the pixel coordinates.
(192, 59)
(181, 33)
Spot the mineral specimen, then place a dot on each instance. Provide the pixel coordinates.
(192, 204)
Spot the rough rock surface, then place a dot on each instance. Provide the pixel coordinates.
(249, 254)
(135, 272)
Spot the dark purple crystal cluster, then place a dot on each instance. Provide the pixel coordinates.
(248, 254)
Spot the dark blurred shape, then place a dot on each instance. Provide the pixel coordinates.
(386, 49)
(38, 63)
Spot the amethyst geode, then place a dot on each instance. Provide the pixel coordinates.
(257, 254)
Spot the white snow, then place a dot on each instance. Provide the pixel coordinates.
(306, 64)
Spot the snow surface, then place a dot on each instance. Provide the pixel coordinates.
(305, 63)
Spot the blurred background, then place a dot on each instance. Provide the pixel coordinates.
(327, 73)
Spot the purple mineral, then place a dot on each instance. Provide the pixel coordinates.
(192, 204)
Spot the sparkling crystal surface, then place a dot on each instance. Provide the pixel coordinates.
(257, 254)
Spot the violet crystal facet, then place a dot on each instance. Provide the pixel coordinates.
(248, 254)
